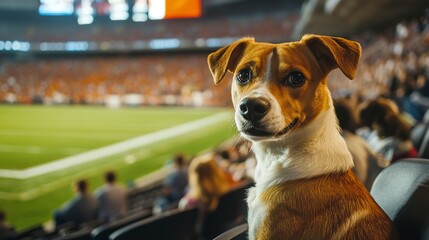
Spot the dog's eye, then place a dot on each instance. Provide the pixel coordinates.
(295, 79)
(244, 76)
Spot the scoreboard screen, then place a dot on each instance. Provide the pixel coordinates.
(138, 10)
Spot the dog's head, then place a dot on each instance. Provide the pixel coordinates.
(279, 88)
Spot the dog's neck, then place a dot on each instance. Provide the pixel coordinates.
(313, 150)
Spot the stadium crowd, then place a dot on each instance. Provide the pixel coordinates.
(176, 79)
(147, 80)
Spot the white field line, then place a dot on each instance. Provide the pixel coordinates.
(37, 149)
(114, 148)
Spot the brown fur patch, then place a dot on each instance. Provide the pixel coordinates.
(316, 208)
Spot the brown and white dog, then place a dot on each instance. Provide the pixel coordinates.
(304, 186)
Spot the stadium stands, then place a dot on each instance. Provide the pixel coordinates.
(135, 81)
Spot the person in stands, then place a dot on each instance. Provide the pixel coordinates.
(6, 230)
(365, 159)
(207, 183)
(390, 135)
(174, 187)
(112, 199)
(83, 208)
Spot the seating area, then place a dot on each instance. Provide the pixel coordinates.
(177, 224)
(231, 212)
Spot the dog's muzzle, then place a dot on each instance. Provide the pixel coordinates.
(254, 109)
(258, 120)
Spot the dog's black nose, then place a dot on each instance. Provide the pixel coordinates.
(254, 109)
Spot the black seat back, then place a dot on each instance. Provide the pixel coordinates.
(102, 232)
(176, 224)
(418, 133)
(402, 191)
(231, 211)
(83, 234)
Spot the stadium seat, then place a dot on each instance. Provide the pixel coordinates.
(144, 198)
(423, 150)
(402, 191)
(176, 224)
(237, 233)
(418, 134)
(84, 234)
(102, 232)
(33, 232)
(231, 211)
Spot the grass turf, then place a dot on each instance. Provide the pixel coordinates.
(31, 201)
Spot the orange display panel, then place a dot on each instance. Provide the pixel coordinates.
(182, 9)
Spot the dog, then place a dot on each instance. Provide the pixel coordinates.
(304, 186)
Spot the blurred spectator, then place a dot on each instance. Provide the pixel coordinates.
(207, 183)
(6, 230)
(236, 161)
(390, 135)
(174, 185)
(112, 199)
(83, 208)
(224, 159)
(420, 97)
(365, 159)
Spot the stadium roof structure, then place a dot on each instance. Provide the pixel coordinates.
(23, 30)
(347, 17)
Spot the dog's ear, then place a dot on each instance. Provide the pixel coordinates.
(333, 52)
(226, 58)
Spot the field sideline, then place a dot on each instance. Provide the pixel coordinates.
(83, 129)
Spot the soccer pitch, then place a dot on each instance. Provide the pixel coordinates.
(44, 149)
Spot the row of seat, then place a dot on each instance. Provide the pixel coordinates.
(173, 224)
(401, 190)
(180, 224)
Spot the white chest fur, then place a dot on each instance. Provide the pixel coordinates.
(314, 150)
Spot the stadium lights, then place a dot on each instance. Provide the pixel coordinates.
(118, 16)
(70, 46)
(140, 10)
(219, 42)
(166, 43)
(156, 9)
(85, 19)
(140, 17)
(118, 10)
(56, 8)
(76, 46)
(84, 12)
(14, 46)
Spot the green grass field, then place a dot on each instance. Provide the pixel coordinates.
(34, 135)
